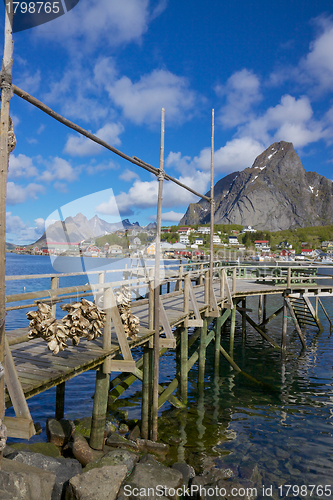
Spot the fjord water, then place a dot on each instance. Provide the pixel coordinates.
(275, 433)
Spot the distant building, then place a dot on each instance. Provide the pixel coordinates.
(262, 245)
(204, 230)
(198, 241)
(284, 244)
(248, 229)
(216, 239)
(183, 230)
(184, 239)
(233, 240)
(308, 252)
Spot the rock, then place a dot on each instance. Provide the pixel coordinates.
(22, 482)
(63, 468)
(122, 414)
(82, 451)
(59, 431)
(155, 476)
(271, 195)
(109, 427)
(135, 433)
(83, 426)
(148, 459)
(97, 484)
(123, 429)
(120, 442)
(47, 449)
(186, 470)
(148, 446)
(115, 457)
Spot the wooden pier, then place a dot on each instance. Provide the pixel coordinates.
(31, 368)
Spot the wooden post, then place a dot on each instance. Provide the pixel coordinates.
(234, 275)
(222, 283)
(212, 209)
(264, 308)
(60, 401)
(157, 283)
(99, 409)
(260, 309)
(186, 297)
(217, 346)
(202, 353)
(107, 329)
(54, 286)
(145, 393)
(232, 330)
(207, 288)
(289, 277)
(183, 363)
(6, 95)
(244, 318)
(151, 300)
(284, 325)
(201, 274)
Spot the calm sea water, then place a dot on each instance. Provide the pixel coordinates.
(281, 429)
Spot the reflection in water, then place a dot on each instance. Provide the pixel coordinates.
(275, 436)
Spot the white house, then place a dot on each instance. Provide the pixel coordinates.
(198, 241)
(262, 245)
(216, 239)
(204, 230)
(183, 238)
(248, 229)
(233, 240)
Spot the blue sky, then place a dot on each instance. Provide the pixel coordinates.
(111, 65)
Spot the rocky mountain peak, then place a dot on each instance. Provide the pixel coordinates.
(275, 193)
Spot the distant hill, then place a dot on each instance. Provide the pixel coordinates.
(78, 228)
(276, 193)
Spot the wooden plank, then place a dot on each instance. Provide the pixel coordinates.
(119, 327)
(123, 365)
(195, 307)
(295, 322)
(230, 304)
(169, 343)
(21, 428)
(14, 386)
(312, 311)
(165, 321)
(261, 332)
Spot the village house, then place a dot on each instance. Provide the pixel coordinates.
(233, 240)
(204, 230)
(198, 241)
(262, 245)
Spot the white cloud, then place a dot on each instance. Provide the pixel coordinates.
(112, 21)
(143, 194)
(75, 93)
(170, 216)
(18, 194)
(78, 145)
(142, 101)
(241, 91)
(291, 120)
(317, 66)
(58, 169)
(21, 166)
(237, 154)
(29, 82)
(127, 175)
(93, 169)
(20, 232)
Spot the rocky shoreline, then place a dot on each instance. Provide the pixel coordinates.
(128, 468)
